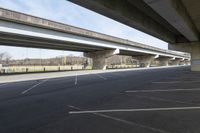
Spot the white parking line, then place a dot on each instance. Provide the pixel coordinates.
(3, 84)
(100, 76)
(175, 82)
(166, 100)
(123, 121)
(135, 110)
(34, 86)
(163, 90)
(117, 74)
(76, 79)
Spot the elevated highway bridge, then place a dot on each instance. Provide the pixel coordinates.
(18, 29)
(174, 21)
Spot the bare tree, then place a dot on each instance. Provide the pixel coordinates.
(5, 57)
(2, 56)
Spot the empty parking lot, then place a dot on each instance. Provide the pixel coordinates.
(145, 101)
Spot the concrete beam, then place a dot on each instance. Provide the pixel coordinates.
(129, 14)
(184, 47)
(174, 12)
(180, 47)
(17, 29)
(100, 57)
(25, 19)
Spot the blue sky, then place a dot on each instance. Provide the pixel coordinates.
(69, 13)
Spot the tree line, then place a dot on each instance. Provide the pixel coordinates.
(6, 60)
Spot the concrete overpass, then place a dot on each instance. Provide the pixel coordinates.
(17, 29)
(174, 21)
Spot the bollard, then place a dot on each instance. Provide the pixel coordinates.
(4, 71)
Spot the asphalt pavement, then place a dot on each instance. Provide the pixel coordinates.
(163, 100)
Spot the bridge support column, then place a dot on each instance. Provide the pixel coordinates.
(176, 61)
(194, 49)
(187, 62)
(1, 68)
(195, 57)
(164, 61)
(100, 58)
(145, 60)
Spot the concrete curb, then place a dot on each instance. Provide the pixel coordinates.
(39, 76)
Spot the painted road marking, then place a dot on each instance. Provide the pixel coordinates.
(135, 110)
(163, 90)
(76, 79)
(117, 74)
(3, 84)
(33, 86)
(166, 100)
(175, 82)
(100, 76)
(123, 121)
